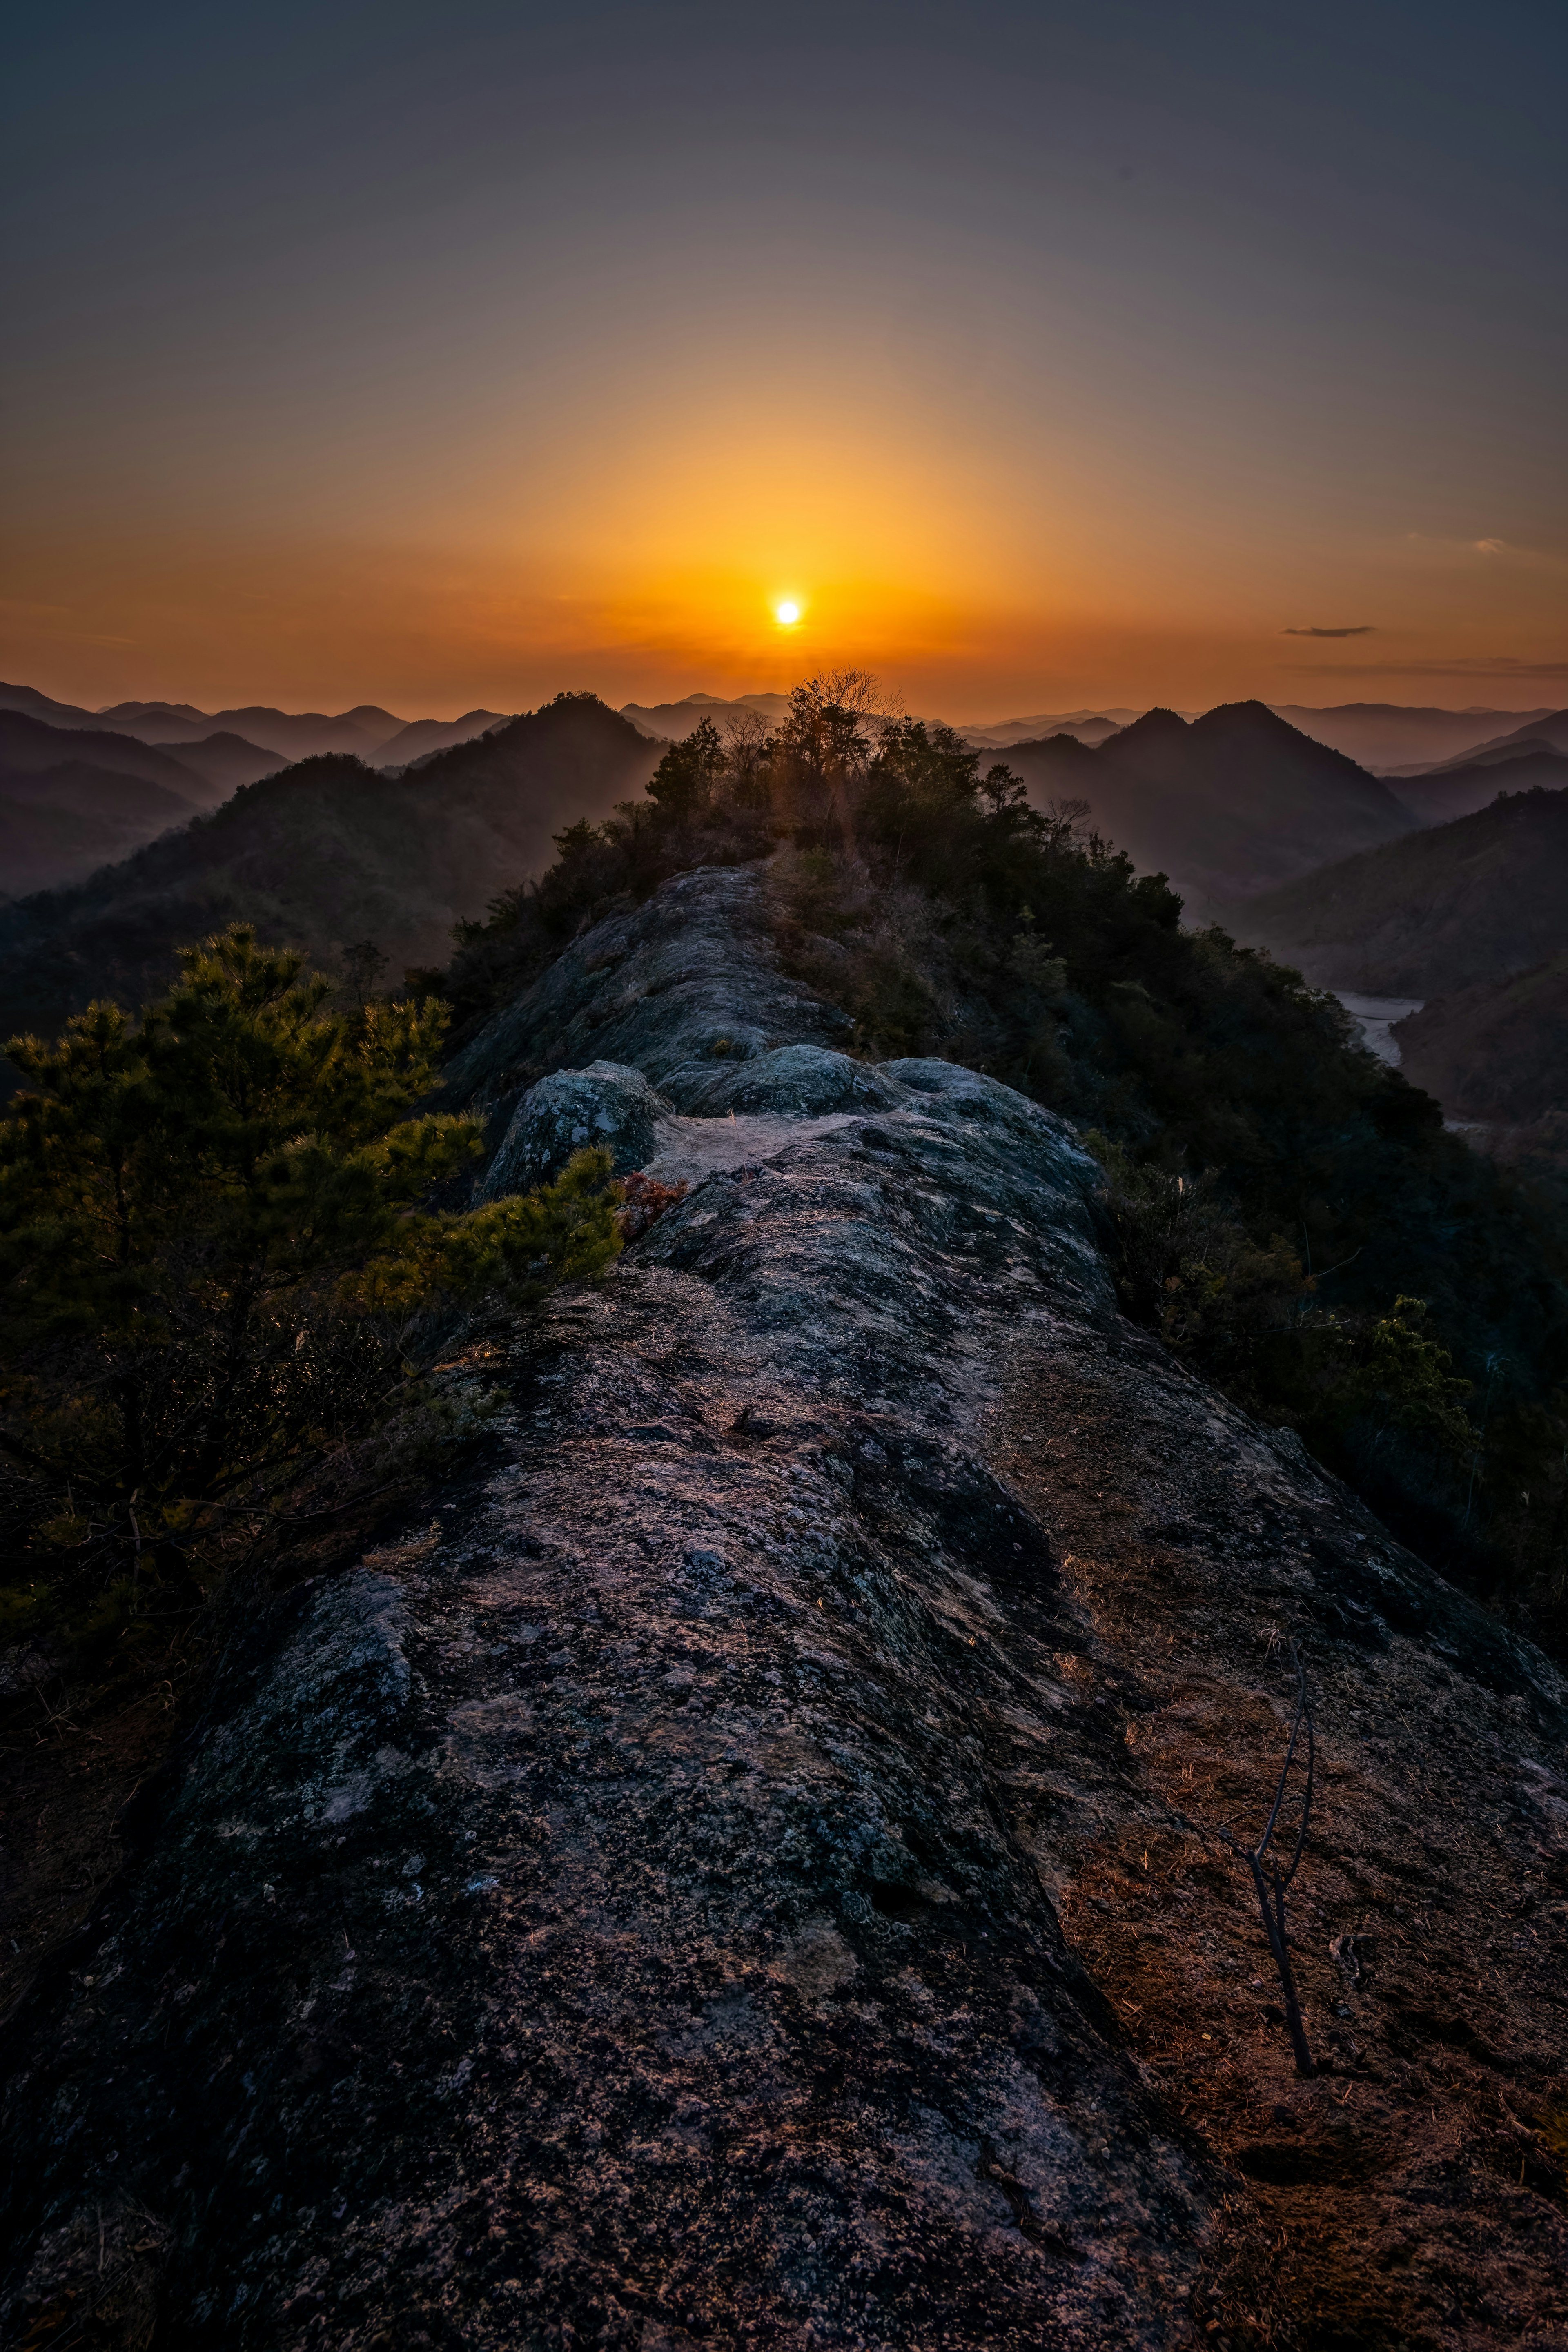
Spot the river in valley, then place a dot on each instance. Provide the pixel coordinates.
(1374, 1016)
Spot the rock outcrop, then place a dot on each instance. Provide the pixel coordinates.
(723, 1875)
(608, 1105)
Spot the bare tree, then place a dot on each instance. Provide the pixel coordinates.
(1269, 1878)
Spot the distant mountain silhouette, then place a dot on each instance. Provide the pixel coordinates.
(1089, 725)
(324, 853)
(675, 720)
(1388, 735)
(59, 824)
(296, 735)
(1236, 803)
(221, 764)
(423, 736)
(176, 710)
(74, 798)
(34, 705)
(293, 735)
(1546, 731)
(29, 746)
(1460, 787)
(1496, 1050)
(1445, 908)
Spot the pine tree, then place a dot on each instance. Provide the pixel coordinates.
(212, 1227)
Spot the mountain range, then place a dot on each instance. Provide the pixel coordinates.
(1399, 738)
(326, 852)
(1460, 787)
(1234, 803)
(672, 721)
(1540, 730)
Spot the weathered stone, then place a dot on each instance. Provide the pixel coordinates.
(803, 1081)
(608, 1104)
(626, 1912)
(687, 980)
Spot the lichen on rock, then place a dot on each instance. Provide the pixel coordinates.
(608, 1105)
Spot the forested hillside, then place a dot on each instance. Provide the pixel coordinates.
(1496, 1050)
(325, 855)
(1458, 903)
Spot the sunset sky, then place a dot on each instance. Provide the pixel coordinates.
(1044, 356)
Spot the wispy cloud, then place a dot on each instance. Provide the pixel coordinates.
(1498, 666)
(1365, 630)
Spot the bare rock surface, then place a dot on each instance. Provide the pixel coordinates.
(648, 1906)
(608, 1104)
(673, 987)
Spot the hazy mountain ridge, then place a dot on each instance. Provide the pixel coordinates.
(421, 737)
(672, 721)
(1443, 909)
(73, 799)
(1461, 787)
(1399, 738)
(292, 735)
(1234, 804)
(1541, 730)
(325, 853)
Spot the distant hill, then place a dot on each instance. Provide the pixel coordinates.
(293, 735)
(1448, 906)
(324, 853)
(1089, 725)
(1236, 803)
(29, 746)
(34, 705)
(1496, 1050)
(1546, 731)
(675, 720)
(73, 799)
(1385, 736)
(1460, 787)
(59, 824)
(423, 736)
(221, 764)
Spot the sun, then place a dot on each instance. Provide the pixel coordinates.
(787, 615)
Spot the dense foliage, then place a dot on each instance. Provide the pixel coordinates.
(214, 1232)
(1290, 1214)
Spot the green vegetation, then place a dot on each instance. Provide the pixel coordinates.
(215, 1243)
(1291, 1215)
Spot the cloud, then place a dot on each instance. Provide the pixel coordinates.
(1488, 546)
(1498, 666)
(1364, 631)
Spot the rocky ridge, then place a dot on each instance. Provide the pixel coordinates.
(734, 1872)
